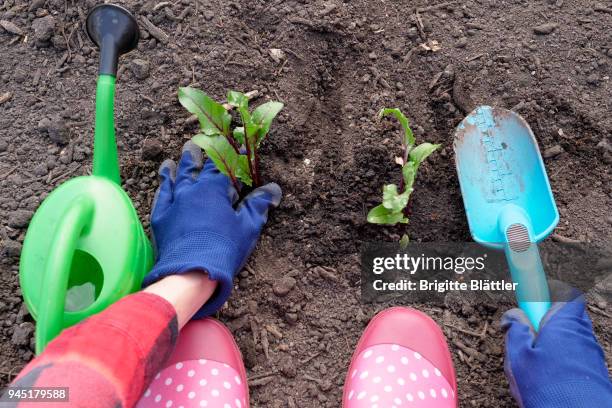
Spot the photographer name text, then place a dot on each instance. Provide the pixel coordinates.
(405, 285)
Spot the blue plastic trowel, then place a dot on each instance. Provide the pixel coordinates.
(507, 197)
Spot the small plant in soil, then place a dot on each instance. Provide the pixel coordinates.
(395, 198)
(224, 143)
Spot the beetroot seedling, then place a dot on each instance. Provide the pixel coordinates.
(395, 198)
(224, 143)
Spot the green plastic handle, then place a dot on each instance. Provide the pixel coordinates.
(105, 160)
(50, 321)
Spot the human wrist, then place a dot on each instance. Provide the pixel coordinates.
(185, 292)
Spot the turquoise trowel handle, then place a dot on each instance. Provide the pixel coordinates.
(525, 264)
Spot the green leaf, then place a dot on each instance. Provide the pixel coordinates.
(242, 172)
(421, 152)
(213, 117)
(244, 114)
(237, 99)
(404, 241)
(221, 152)
(409, 174)
(263, 116)
(382, 215)
(408, 140)
(239, 135)
(250, 137)
(392, 200)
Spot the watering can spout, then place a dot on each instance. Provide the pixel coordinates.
(115, 31)
(105, 160)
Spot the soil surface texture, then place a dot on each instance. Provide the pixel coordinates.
(296, 310)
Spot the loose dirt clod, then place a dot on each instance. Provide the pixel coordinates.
(22, 334)
(44, 28)
(5, 97)
(151, 149)
(140, 68)
(544, 29)
(19, 218)
(552, 151)
(56, 130)
(11, 27)
(283, 286)
(36, 4)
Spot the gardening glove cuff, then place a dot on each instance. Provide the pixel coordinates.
(562, 365)
(201, 251)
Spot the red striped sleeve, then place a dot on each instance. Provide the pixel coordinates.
(108, 359)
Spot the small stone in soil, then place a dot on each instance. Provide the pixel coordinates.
(604, 145)
(56, 130)
(41, 170)
(36, 4)
(22, 334)
(44, 29)
(291, 318)
(140, 68)
(79, 60)
(461, 42)
(11, 249)
(545, 29)
(283, 286)
(19, 218)
(22, 313)
(593, 79)
(552, 151)
(288, 368)
(151, 149)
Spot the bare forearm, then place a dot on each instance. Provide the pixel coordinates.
(186, 293)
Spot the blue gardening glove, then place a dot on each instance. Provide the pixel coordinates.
(197, 228)
(560, 366)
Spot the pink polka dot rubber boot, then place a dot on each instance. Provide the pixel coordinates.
(402, 360)
(205, 370)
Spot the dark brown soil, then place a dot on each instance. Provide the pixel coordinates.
(344, 61)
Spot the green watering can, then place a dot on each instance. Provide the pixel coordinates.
(85, 247)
